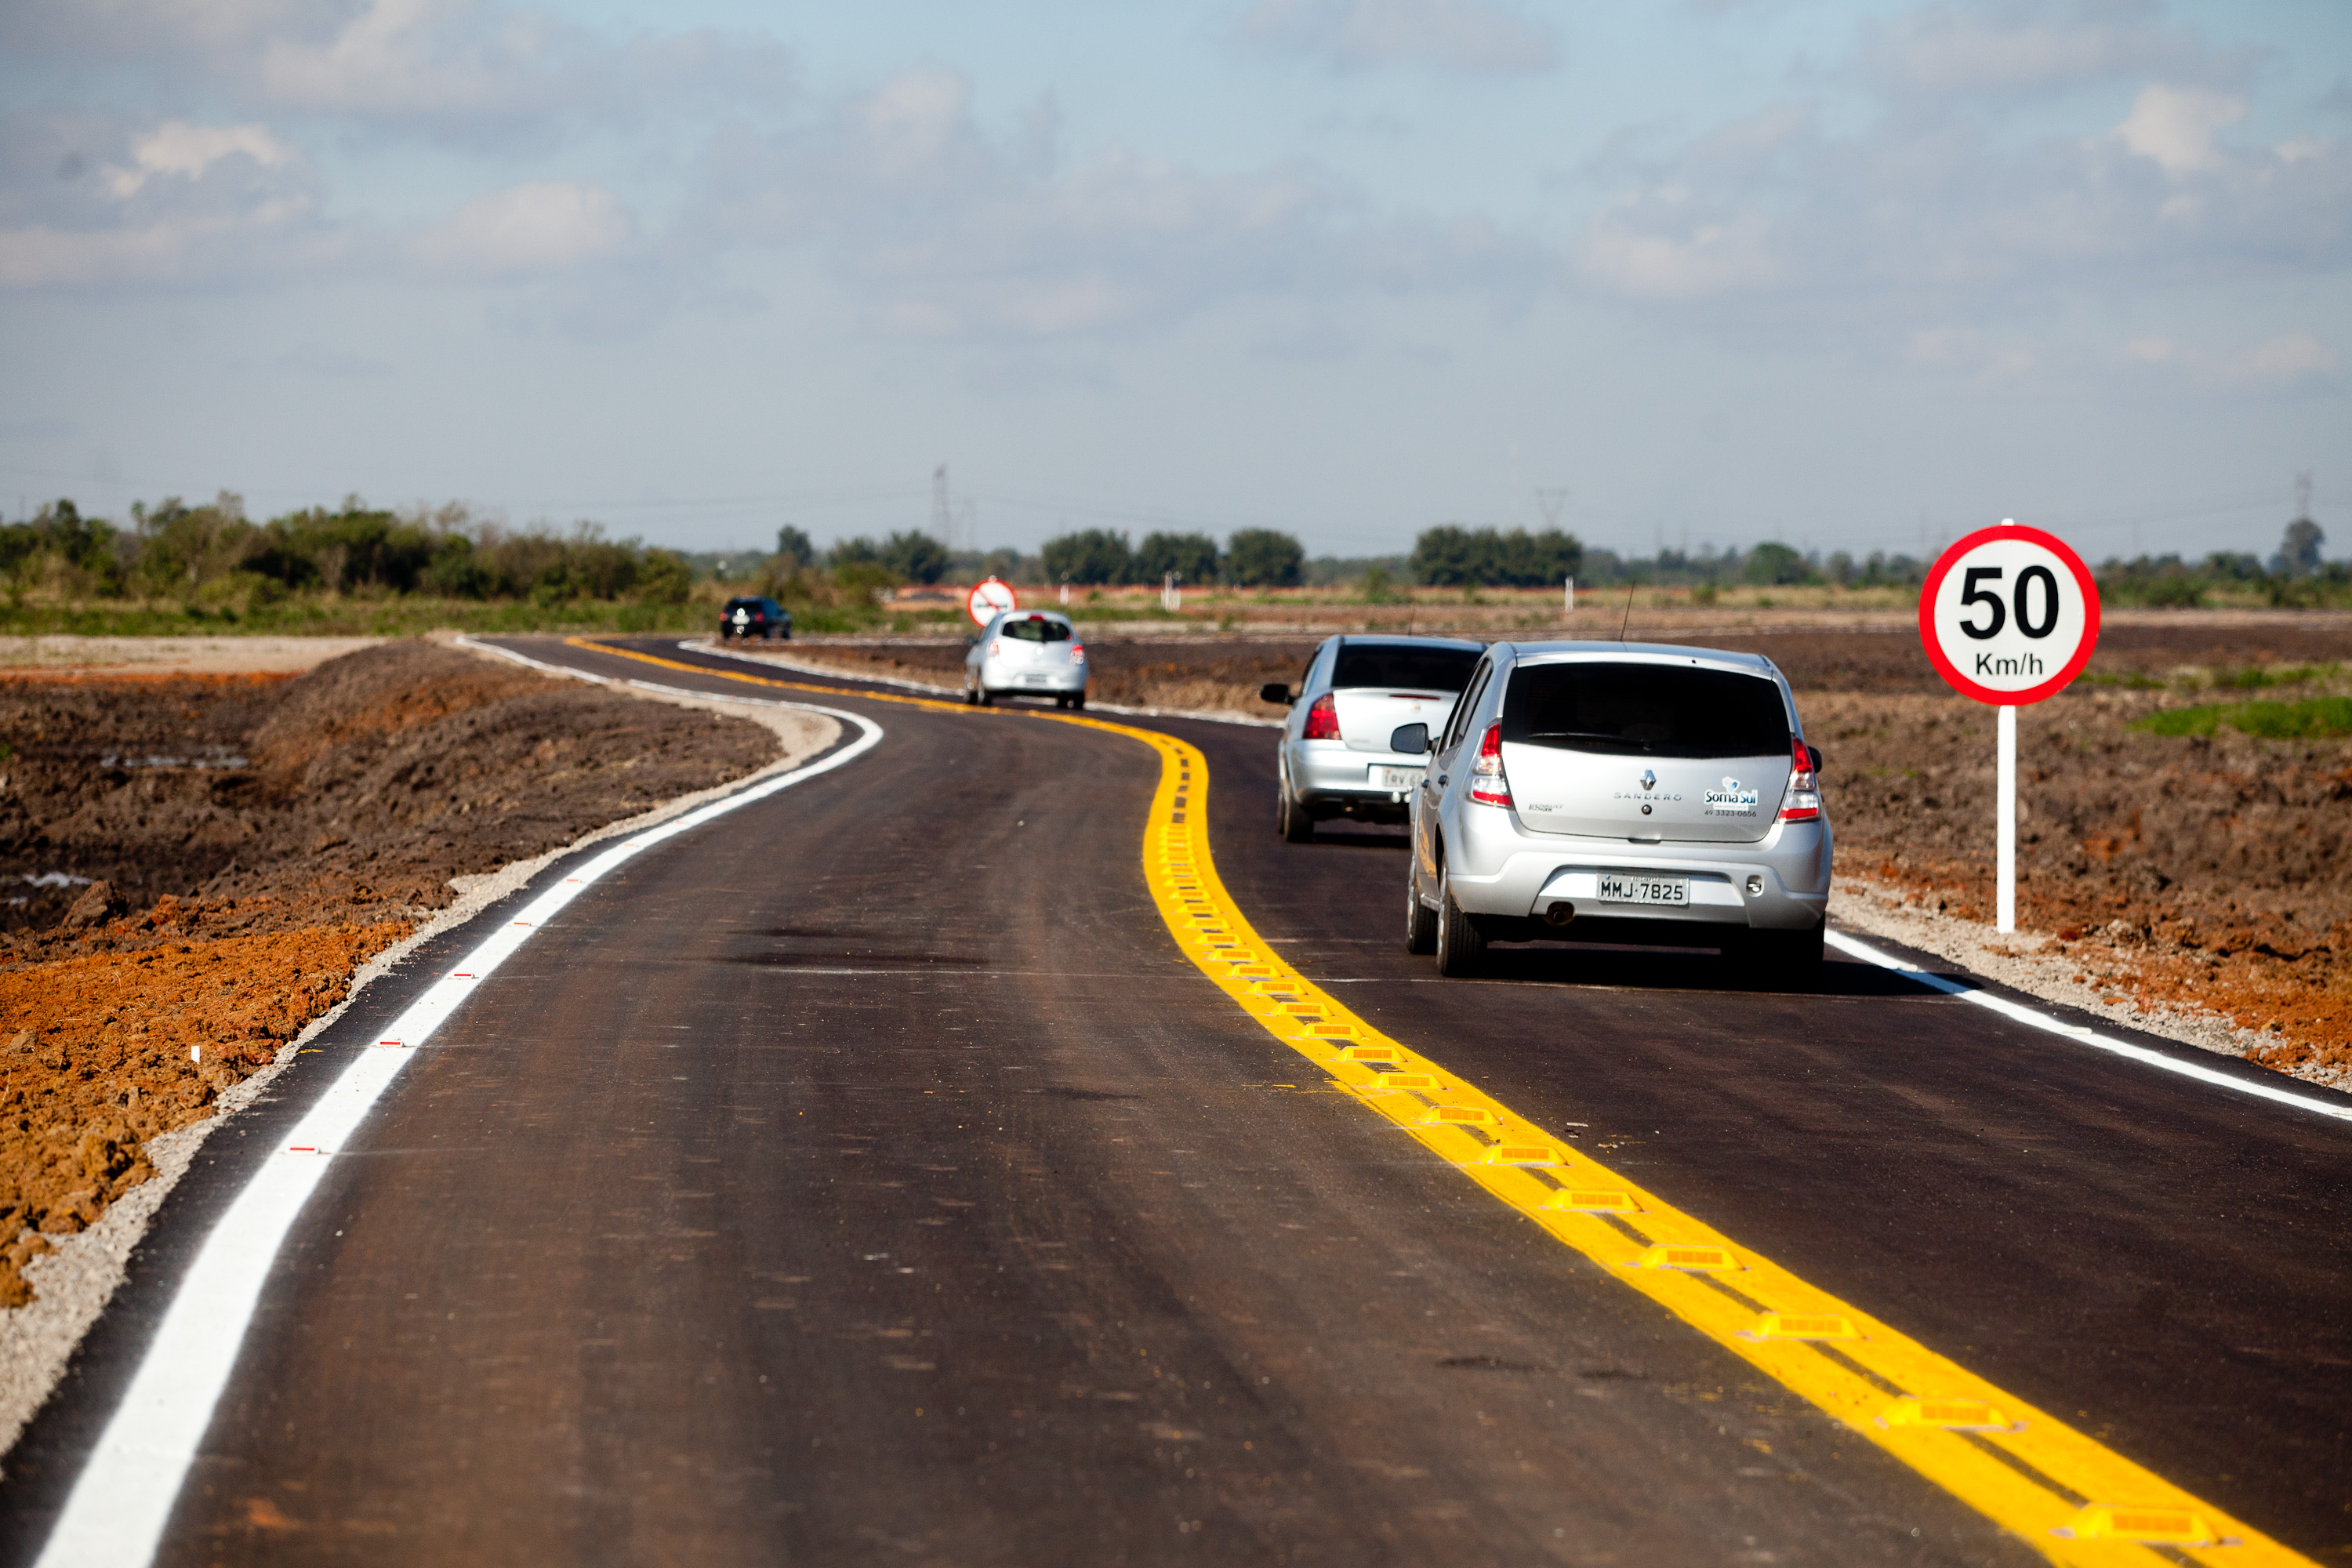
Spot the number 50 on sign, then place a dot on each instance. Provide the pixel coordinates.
(2008, 616)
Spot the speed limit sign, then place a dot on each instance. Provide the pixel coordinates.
(2008, 616)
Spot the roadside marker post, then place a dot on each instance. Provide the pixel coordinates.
(2008, 616)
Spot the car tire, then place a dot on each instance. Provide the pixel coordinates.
(971, 696)
(1080, 702)
(1461, 947)
(1420, 919)
(1290, 819)
(987, 698)
(1779, 960)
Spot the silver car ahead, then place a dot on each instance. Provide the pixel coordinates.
(1615, 791)
(1033, 653)
(1336, 758)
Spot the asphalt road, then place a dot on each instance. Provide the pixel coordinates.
(866, 1177)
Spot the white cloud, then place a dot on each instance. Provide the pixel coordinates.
(1977, 49)
(457, 68)
(1970, 349)
(2175, 126)
(2285, 360)
(948, 232)
(543, 226)
(88, 202)
(179, 148)
(1640, 252)
(1444, 35)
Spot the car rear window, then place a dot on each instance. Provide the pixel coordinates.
(1035, 631)
(1645, 709)
(1407, 668)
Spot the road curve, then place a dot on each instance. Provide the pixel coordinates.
(871, 1176)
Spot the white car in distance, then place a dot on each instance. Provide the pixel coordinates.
(1026, 653)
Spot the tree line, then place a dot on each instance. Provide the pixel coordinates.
(174, 550)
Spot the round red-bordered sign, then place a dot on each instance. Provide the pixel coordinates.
(2008, 616)
(988, 599)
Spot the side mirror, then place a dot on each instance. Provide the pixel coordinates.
(1815, 753)
(1275, 691)
(1410, 739)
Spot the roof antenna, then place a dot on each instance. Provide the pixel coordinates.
(1628, 612)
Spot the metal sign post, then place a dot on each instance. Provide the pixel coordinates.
(2008, 616)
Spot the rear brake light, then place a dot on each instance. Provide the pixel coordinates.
(1077, 653)
(1322, 721)
(995, 649)
(1488, 786)
(1804, 801)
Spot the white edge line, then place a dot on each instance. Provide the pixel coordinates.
(2035, 1019)
(950, 694)
(123, 1500)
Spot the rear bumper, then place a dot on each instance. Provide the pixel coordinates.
(1055, 682)
(1499, 870)
(1330, 780)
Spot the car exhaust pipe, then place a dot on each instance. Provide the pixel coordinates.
(1560, 912)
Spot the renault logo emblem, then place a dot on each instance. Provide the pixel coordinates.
(1649, 779)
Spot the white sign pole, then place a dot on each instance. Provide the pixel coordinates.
(2005, 819)
(2008, 616)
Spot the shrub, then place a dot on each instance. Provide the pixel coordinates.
(1264, 558)
(1092, 555)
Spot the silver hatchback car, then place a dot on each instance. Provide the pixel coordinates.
(1614, 792)
(1335, 759)
(1033, 653)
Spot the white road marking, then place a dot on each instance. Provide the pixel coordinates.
(2036, 1019)
(117, 1512)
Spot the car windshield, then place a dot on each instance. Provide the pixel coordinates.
(1645, 709)
(1036, 629)
(1406, 668)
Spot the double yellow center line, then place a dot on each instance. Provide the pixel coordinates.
(2076, 1500)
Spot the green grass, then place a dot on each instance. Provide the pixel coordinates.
(2313, 719)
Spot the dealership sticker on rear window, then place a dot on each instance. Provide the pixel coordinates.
(1731, 800)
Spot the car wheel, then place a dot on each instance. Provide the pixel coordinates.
(1079, 701)
(987, 698)
(1290, 818)
(971, 696)
(1420, 919)
(1778, 959)
(1461, 946)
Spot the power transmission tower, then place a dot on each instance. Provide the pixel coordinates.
(943, 529)
(1551, 501)
(2303, 495)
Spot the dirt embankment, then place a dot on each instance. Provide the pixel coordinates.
(198, 865)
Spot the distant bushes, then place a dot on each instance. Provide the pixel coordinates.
(1450, 556)
(1253, 558)
(212, 551)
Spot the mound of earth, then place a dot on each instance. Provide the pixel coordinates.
(203, 862)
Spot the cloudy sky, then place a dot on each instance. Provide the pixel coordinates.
(1853, 276)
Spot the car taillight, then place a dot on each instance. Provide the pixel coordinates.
(1322, 721)
(994, 648)
(1077, 653)
(1488, 786)
(1804, 801)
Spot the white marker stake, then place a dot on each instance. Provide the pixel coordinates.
(2005, 904)
(1572, 596)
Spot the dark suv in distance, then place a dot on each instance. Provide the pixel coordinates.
(755, 618)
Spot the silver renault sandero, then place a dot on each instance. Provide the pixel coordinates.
(1336, 760)
(1620, 792)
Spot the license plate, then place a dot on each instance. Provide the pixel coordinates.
(1620, 889)
(1038, 680)
(1396, 778)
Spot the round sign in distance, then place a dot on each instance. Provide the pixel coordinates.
(988, 599)
(2008, 616)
